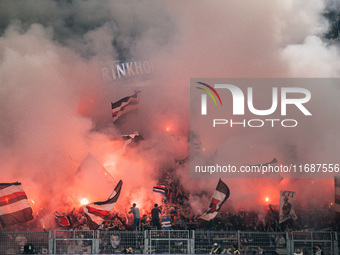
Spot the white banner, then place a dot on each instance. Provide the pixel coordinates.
(287, 199)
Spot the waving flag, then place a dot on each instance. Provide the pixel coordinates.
(124, 105)
(221, 195)
(63, 220)
(96, 212)
(166, 224)
(181, 161)
(159, 189)
(274, 161)
(132, 138)
(14, 206)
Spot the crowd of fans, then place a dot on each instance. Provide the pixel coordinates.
(175, 213)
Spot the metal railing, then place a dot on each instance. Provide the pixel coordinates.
(111, 242)
(171, 241)
(306, 242)
(20, 242)
(165, 241)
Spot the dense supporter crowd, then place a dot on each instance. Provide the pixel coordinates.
(176, 210)
(176, 213)
(182, 218)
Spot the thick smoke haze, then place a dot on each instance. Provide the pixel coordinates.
(55, 105)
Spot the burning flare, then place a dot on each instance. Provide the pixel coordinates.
(84, 201)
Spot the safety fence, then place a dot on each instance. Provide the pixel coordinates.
(166, 242)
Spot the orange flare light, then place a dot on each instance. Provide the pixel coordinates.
(267, 200)
(84, 201)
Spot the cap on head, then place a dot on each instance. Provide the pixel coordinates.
(215, 244)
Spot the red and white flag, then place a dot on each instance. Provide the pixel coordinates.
(63, 220)
(14, 206)
(124, 105)
(221, 195)
(96, 212)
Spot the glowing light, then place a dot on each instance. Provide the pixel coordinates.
(84, 201)
(267, 200)
(167, 129)
(32, 201)
(7, 200)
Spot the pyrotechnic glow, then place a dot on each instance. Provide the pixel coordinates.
(167, 129)
(267, 200)
(7, 200)
(84, 201)
(32, 201)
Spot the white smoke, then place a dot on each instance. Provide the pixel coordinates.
(55, 106)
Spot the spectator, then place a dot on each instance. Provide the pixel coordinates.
(136, 216)
(216, 249)
(144, 223)
(298, 252)
(318, 249)
(155, 216)
(260, 250)
(128, 250)
(235, 250)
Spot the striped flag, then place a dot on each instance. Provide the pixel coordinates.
(131, 140)
(134, 137)
(124, 105)
(166, 224)
(14, 205)
(221, 195)
(96, 212)
(159, 189)
(337, 197)
(63, 220)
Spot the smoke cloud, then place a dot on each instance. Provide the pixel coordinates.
(55, 104)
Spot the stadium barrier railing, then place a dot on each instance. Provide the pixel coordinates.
(165, 241)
